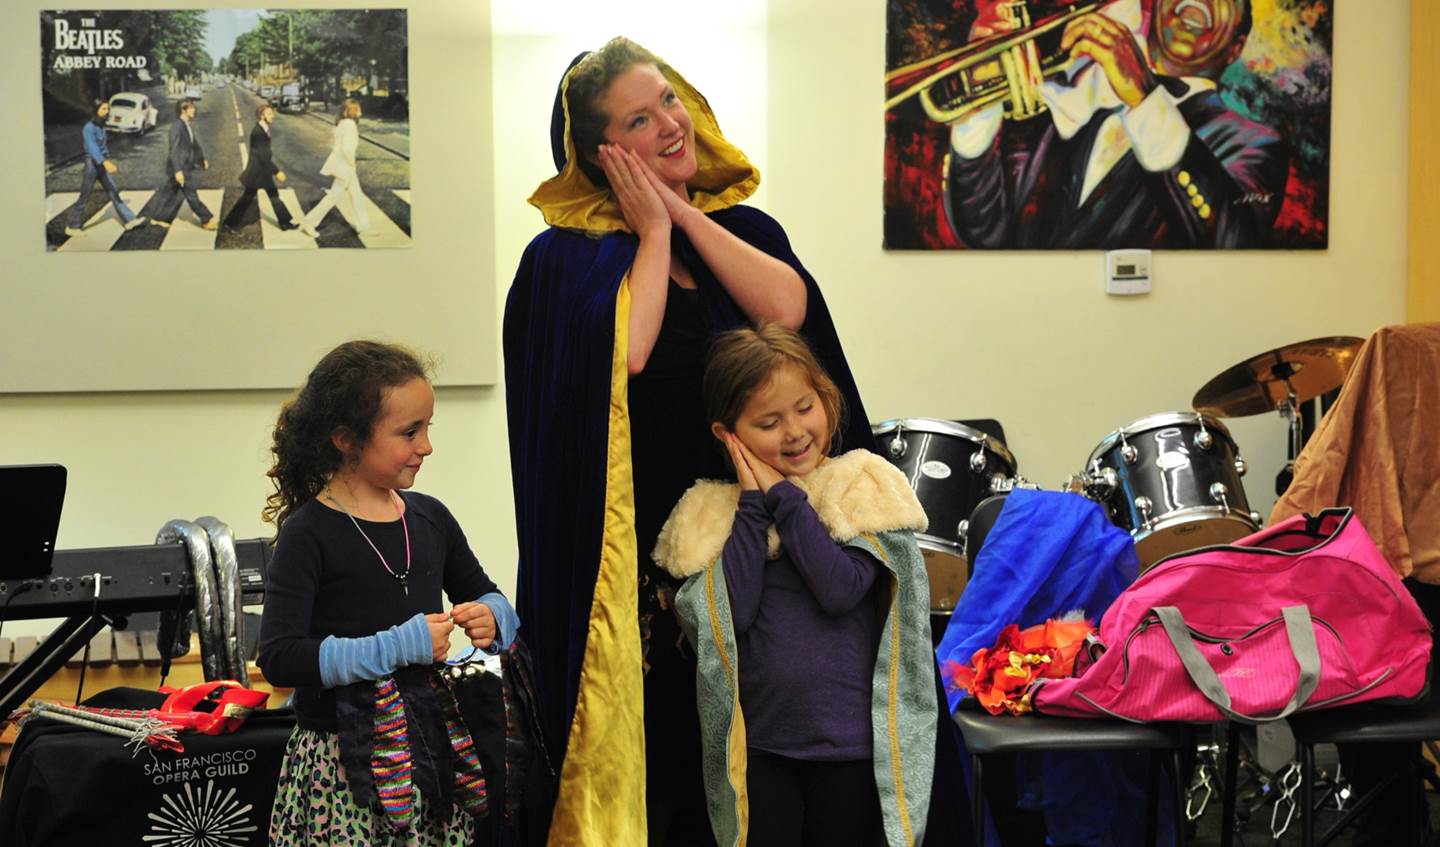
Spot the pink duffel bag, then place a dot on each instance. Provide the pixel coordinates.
(1303, 615)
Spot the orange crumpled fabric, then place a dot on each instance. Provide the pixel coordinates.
(1000, 677)
(1376, 450)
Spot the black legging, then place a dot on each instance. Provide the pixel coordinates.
(799, 803)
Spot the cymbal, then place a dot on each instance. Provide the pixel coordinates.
(1259, 384)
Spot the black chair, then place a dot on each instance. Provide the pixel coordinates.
(987, 734)
(1353, 725)
(982, 520)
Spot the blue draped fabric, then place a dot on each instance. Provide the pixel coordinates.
(1050, 553)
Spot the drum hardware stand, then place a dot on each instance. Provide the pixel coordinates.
(1289, 781)
(897, 444)
(1203, 439)
(1337, 789)
(1280, 789)
(1127, 450)
(1240, 469)
(1280, 380)
(1202, 785)
(1001, 484)
(1096, 484)
(1144, 505)
(1289, 410)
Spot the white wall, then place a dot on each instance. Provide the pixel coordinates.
(1026, 338)
(1030, 338)
(137, 460)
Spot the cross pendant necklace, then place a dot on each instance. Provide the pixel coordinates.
(400, 576)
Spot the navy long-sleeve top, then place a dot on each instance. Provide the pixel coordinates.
(326, 580)
(807, 627)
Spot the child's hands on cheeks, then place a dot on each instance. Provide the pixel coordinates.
(478, 621)
(754, 474)
(440, 628)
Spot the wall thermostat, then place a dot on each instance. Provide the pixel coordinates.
(1127, 272)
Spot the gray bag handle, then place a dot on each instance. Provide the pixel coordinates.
(1299, 628)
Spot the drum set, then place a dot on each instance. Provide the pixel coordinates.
(1173, 480)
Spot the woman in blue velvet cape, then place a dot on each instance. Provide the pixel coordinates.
(586, 474)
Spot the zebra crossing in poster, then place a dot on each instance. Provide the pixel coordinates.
(103, 230)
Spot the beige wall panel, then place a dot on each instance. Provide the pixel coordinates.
(1031, 338)
(147, 320)
(1424, 301)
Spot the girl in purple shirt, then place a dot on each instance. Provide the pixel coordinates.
(820, 571)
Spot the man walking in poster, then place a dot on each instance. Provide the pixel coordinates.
(185, 156)
(260, 172)
(98, 167)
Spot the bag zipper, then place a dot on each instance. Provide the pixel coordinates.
(1152, 618)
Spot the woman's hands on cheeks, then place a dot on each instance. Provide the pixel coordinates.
(644, 209)
(478, 621)
(679, 207)
(754, 474)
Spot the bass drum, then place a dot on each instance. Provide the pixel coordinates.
(1173, 481)
(951, 467)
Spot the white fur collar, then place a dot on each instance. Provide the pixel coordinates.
(852, 494)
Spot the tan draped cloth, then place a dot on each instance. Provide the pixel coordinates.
(1377, 450)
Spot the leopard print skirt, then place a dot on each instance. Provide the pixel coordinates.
(314, 806)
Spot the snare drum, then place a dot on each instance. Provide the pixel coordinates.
(1173, 481)
(951, 467)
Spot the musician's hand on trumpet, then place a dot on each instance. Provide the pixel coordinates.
(1111, 46)
(973, 133)
(993, 18)
(1006, 60)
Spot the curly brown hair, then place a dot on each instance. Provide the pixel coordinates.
(342, 396)
(589, 81)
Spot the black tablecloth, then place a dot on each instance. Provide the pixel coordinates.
(66, 785)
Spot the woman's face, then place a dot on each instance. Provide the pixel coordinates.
(647, 118)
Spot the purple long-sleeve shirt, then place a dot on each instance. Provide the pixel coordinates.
(807, 628)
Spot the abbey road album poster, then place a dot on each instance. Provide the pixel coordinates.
(1050, 124)
(226, 129)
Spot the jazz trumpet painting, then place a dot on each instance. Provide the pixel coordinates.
(1168, 124)
(216, 129)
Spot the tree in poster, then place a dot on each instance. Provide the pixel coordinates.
(333, 46)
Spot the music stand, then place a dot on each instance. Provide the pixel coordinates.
(30, 500)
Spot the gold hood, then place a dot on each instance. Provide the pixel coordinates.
(724, 176)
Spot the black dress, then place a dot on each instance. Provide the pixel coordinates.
(671, 447)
